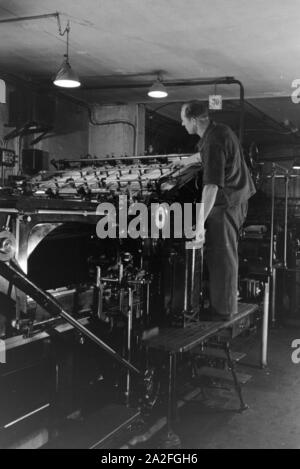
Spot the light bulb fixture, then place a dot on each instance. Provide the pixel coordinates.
(66, 77)
(158, 90)
(296, 164)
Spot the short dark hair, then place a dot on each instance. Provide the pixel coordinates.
(194, 109)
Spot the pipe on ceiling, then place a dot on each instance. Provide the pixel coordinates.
(28, 18)
(192, 82)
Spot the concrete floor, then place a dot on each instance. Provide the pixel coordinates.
(273, 394)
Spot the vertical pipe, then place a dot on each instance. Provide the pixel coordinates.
(193, 275)
(137, 129)
(148, 300)
(3, 173)
(201, 282)
(17, 235)
(7, 222)
(186, 275)
(172, 404)
(129, 331)
(272, 271)
(20, 159)
(99, 290)
(273, 307)
(272, 221)
(264, 344)
(242, 108)
(285, 220)
(121, 271)
(17, 254)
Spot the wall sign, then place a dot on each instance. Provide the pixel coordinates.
(215, 102)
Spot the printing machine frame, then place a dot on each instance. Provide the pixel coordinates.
(31, 219)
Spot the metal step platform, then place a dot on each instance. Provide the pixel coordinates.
(175, 341)
(223, 375)
(218, 353)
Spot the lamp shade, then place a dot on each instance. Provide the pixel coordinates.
(158, 90)
(66, 77)
(296, 164)
(2, 92)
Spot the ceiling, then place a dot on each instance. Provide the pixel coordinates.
(128, 41)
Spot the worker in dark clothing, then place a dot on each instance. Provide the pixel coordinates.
(227, 186)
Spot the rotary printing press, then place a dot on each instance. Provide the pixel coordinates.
(63, 290)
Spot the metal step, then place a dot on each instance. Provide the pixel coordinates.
(224, 375)
(220, 353)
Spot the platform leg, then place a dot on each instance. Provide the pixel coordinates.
(265, 326)
(172, 440)
(129, 344)
(273, 304)
(237, 385)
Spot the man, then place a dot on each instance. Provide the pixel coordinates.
(227, 186)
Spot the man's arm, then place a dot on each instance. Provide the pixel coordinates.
(196, 158)
(209, 194)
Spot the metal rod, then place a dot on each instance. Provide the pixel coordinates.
(265, 325)
(100, 293)
(121, 272)
(47, 322)
(237, 385)
(51, 305)
(129, 340)
(67, 212)
(117, 158)
(193, 276)
(172, 404)
(183, 82)
(201, 281)
(137, 130)
(129, 282)
(20, 419)
(273, 310)
(186, 278)
(148, 299)
(286, 197)
(28, 18)
(3, 175)
(242, 109)
(7, 222)
(272, 224)
(18, 237)
(9, 210)
(283, 176)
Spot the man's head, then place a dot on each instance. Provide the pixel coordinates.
(194, 117)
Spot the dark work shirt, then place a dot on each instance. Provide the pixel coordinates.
(224, 165)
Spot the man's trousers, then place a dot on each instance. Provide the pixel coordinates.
(221, 253)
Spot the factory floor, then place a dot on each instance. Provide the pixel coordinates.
(273, 394)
